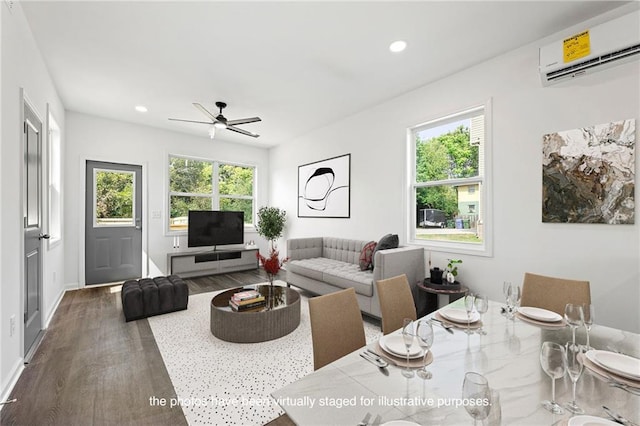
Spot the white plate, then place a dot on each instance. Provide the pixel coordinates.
(590, 421)
(459, 315)
(400, 423)
(623, 365)
(394, 344)
(539, 314)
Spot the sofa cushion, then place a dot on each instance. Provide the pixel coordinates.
(334, 272)
(311, 268)
(349, 275)
(342, 249)
(389, 241)
(366, 255)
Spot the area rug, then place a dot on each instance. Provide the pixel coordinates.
(219, 382)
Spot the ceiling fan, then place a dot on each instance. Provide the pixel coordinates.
(220, 121)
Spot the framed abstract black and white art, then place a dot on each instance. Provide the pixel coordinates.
(324, 188)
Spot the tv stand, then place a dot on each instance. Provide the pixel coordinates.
(210, 262)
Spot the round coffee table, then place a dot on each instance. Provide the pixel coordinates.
(279, 317)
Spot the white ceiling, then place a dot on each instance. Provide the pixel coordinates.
(297, 65)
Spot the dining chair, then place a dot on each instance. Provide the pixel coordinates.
(396, 302)
(553, 293)
(336, 326)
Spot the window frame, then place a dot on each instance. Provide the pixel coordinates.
(485, 248)
(215, 190)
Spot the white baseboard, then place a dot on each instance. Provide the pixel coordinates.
(54, 308)
(16, 371)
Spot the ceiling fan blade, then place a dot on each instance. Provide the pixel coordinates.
(243, 121)
(204, 111)
(244, 132)
(191, 121)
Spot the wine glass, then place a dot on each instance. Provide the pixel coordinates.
(482, 306)
(574, 316)
(587, 312)
(476, 387)
(553, 360)
(506, 291)
(468, 305)
(574, 370)
(407, 338)
(514, 300)
(424, 333)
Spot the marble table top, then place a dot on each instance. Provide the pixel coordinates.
(343, 392)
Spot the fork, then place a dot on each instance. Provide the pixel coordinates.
(365, 420)
(443, 325)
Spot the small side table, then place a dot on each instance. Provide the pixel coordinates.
(432, 295)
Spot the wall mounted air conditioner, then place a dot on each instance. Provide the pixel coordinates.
(602, 46)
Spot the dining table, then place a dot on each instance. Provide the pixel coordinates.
(354, 391)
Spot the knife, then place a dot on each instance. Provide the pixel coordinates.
(617, 417)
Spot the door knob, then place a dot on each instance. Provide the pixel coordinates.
(44, 236)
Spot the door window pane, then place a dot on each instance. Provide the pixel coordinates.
(114, 198)
(33, 177)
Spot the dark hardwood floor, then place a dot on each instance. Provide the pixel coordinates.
(93, 368)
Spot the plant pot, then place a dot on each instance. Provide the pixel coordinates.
(436, 275)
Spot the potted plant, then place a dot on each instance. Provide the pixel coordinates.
(270, 225)
(452, 270)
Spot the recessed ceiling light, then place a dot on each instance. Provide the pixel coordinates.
(141, 108)
(398, 46)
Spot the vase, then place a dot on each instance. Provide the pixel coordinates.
(451, 278)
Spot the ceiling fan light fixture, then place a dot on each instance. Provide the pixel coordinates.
(141, 108)
(220, 125)
(212, 131)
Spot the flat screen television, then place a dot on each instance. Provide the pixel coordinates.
(215, 228)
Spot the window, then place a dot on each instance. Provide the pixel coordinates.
(448, 183)
(55, 182)
(114, 195)
(196, 184)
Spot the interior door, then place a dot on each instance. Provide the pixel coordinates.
(113, 225)
(33, 236)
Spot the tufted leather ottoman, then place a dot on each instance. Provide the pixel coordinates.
(148, 297)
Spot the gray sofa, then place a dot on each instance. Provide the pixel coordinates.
(323, 265)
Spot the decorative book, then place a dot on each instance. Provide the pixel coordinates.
(245, 295)
(247, 306)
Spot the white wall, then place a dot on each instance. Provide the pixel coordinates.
(22, 67)
(93, 138)
(523, 111)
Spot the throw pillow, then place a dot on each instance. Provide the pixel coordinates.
(366, 255)
(389, 241)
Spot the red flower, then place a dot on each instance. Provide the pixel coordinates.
(271, 264)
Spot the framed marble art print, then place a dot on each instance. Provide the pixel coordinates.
(324, 188)
(588, 174)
